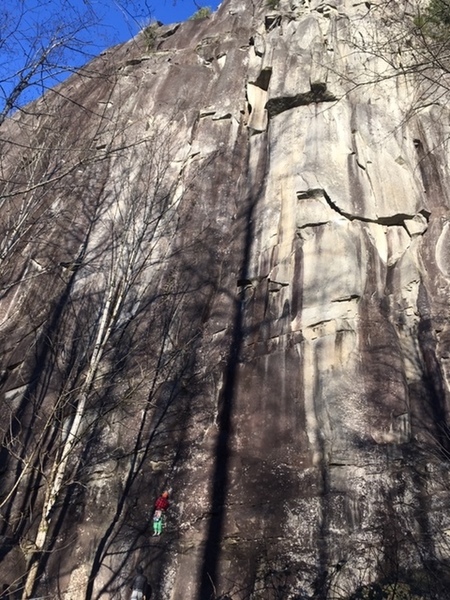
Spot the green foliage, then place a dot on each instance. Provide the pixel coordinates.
(434, 20)
(202, 13)
(150, 35)
(274, 4)
(438, 11)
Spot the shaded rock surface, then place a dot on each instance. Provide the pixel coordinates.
(249, 252)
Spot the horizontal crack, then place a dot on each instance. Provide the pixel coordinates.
(347, 298)
(396, 219)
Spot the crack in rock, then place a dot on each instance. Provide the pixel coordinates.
(397, 219)
(349, 298)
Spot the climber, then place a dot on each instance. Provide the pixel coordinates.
(161, 505)
(140, 586)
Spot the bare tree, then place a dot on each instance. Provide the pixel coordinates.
(410, 41)
(114, 267)
(41, 44)
(103, 280)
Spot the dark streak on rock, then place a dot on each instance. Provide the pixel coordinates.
(317, 94)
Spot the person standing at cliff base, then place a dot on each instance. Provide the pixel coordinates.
(161, 505)
(139, 586)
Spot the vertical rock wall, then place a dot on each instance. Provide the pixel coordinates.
(298, 278)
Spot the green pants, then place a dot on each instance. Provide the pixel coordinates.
(158, 526)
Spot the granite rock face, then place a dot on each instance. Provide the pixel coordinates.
(225, 271)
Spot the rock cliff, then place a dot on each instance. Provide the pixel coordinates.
(225, 272)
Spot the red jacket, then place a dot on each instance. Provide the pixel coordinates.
(162, 503)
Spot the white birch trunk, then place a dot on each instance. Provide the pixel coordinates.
(56, 479)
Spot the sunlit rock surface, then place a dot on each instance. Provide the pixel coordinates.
(278, 227)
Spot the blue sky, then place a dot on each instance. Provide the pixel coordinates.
(81, 28)
(167, 12)
(122, 22)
